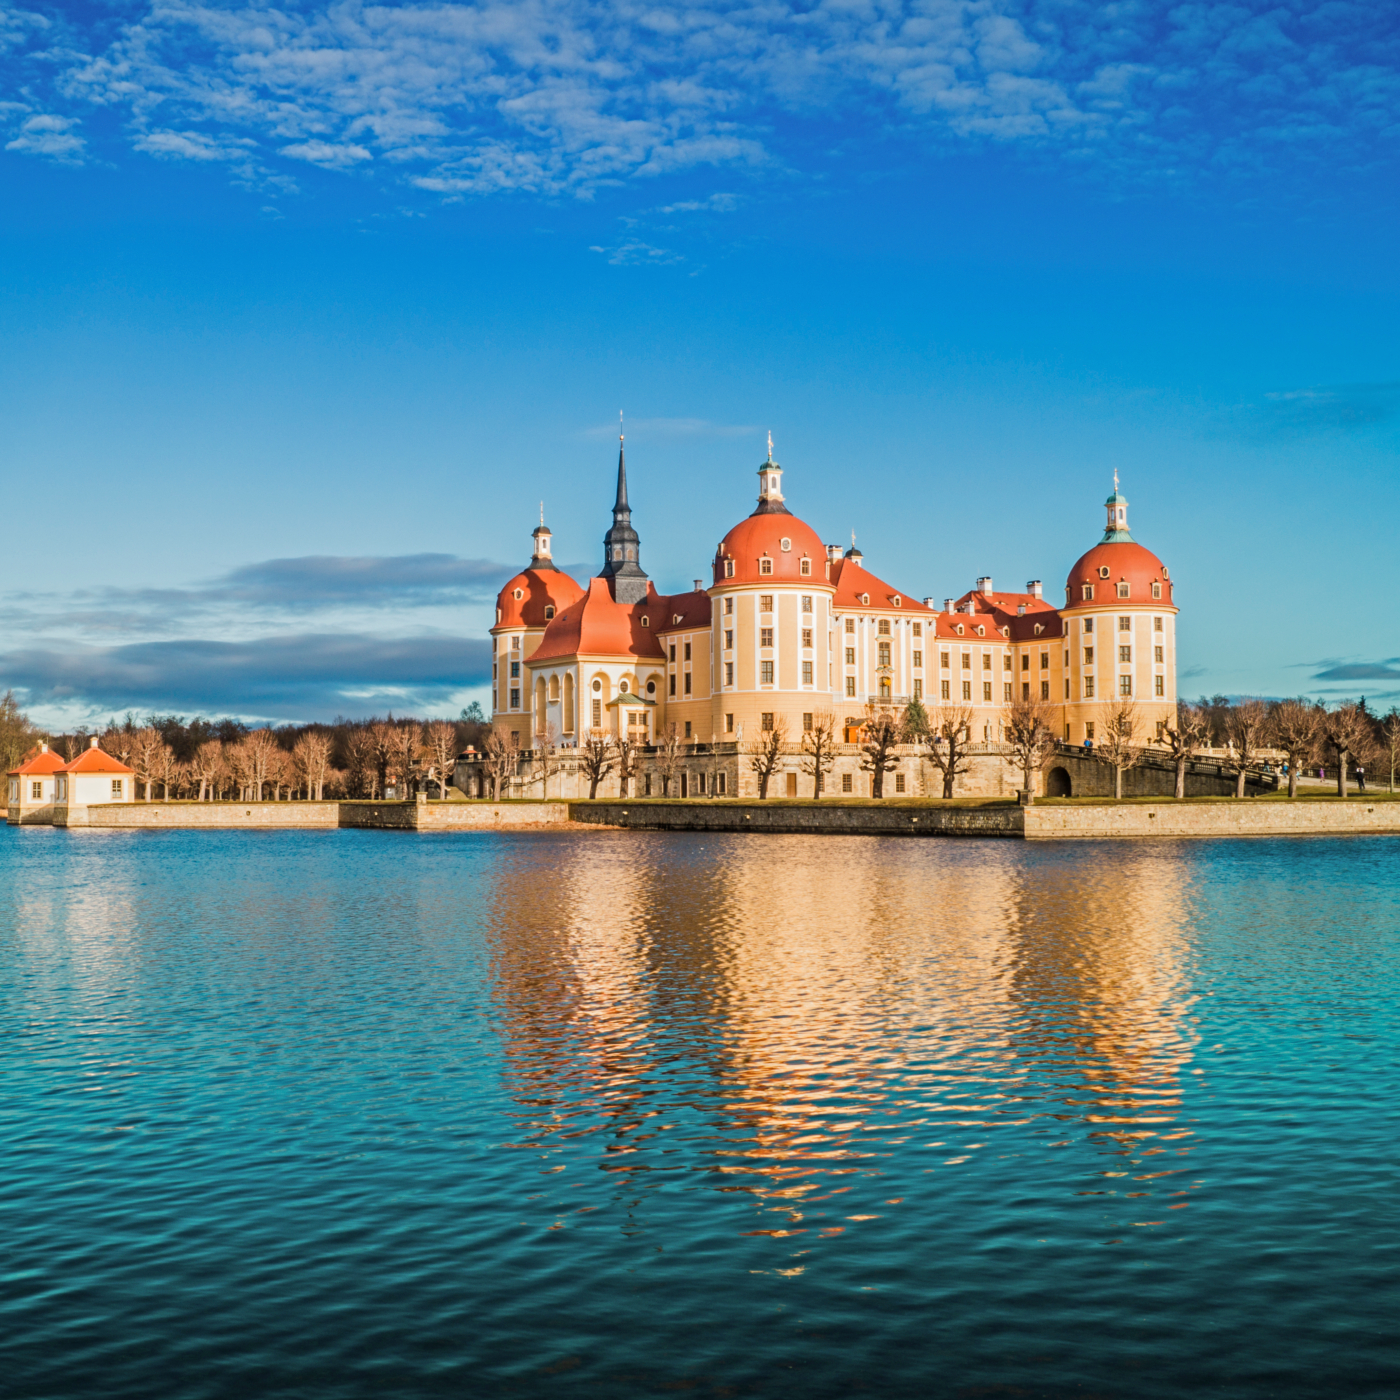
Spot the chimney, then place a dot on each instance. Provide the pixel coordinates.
(699, 585)
(1034, 588)
(984, 585)
(92, 743)
(833, 553)
(928, 603)
(948, 605)
(43, 748)
(971, 608)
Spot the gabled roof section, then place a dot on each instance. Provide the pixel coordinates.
(853, 583)
(685, 612)
(39, 764)
(598, 625)
(94, 761)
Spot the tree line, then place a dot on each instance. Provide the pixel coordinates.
(226, 760)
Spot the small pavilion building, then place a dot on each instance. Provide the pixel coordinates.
(32, 789)
(93, 778)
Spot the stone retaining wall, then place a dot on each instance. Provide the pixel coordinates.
(1230, 818)
(208, 815)
(804, 818)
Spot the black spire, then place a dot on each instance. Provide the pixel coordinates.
(621, 547)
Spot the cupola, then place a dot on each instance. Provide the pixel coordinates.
(770, 486)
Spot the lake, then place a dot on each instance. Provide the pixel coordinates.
(615, 1114)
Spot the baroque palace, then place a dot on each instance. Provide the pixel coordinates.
(791, 630)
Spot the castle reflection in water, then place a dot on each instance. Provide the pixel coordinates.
(798, 1009)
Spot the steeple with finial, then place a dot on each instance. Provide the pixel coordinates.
(1117, 504)
(621, 547)
(770, 486)
(542, 557)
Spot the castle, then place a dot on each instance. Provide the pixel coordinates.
(791, 630)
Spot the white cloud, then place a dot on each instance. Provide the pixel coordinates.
(49, 136)
(635, 253)
(563, 97)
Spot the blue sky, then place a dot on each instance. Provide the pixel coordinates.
(305, 308)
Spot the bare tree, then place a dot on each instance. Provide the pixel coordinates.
(626, 763)
(1246, 729)
(1185, 739)
(279, 772)
(442, 740)
(260, 746)
(547, 755)
(1295, 727)
(407, 745)
(766, 751)
(597, 752)
(819, 750)
(208, 768)
(950, 730)
(499, 755)
(146, 745)
(118, 742)
(165, 768)
(362, 768)
(669, 760)
(1120, 728)
(882, 731)
(1031, 738)
(384, 739)
(1342, 733)
(312, 756)
(1390, 736)
(18, 735)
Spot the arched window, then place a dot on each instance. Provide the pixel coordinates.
(729, 568)
(549, 612)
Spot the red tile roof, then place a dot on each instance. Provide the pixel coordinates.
(596, 625)
(94, 761)
(761, 536)
(1126, 562)
(853, 582)
(45, 761)
(539, 589)
(685, 612)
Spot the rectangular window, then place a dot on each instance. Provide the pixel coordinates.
(1044, 660)
(1006, 693)
(729, 724)
(807, 721)
(850, 656)
(765, 669)
(729, 639)
(1025, 690)
(766, 721)
(765, 566)
(1089, 730)
(918, 660)
(807, 602)
(918, 689)
(1156, 624)
(687, 729)
(899, 782)
(687, 651)
(967, 690)
(765, 636)
(1066, 687)
(1088, 687)
(687, 682)
(1088, 592)
(1123, 590)
(806, 636)
(36, 789)
(967, 661)
(765, 602)
(729, 673)
(672, 690)
(1088, 624)
(1125, 653)
(515, 670)
(729, 607)
(845, 782)
(1156, 590)
(1125, 685)
(987, 692)
(515, 643)
(1045, 690)
(1125, 624)
(673, 653)
(884, 653)
(514, 698)
(116, 787)
(722, 785)
(944, 660)
(1025, 663)
(1160, 684)
(700, 780)
(918, 629)
(1157, 655)
(729, 568)
(850, 685)
(646, 792)
(943, 690)
(986, 661)
(597, 714)
(850, 624)
(806, 673)
(1006, 661)
(884, 627)
(1088, 656)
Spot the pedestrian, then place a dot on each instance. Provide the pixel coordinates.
(1360, 778)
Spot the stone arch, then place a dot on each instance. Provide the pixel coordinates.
(1057, 783)
(553, 690)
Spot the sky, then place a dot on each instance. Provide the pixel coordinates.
(306, 308)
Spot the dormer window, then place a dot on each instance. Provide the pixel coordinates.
(981, 631)
(1005, 631)
(1088, 592)
(549, 613)
(1103, 570)
(1124, 589)
(895, 600)
(804, 567)
(518, 594)
(1165, 574)
(865, 600)
(646, 621)
(1039, 628)
(1156, 589)
(959, 629)
(785, 544)
(765, 565)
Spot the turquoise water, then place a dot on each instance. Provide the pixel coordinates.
(366, 1114)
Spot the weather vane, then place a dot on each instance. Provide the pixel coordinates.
(770, 444)
(619, 426)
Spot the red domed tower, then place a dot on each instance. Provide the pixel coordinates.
(1120, 632)
(524, 608)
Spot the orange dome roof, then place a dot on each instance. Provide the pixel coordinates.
(761, 536)
(537, 589)
(1124, 562)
